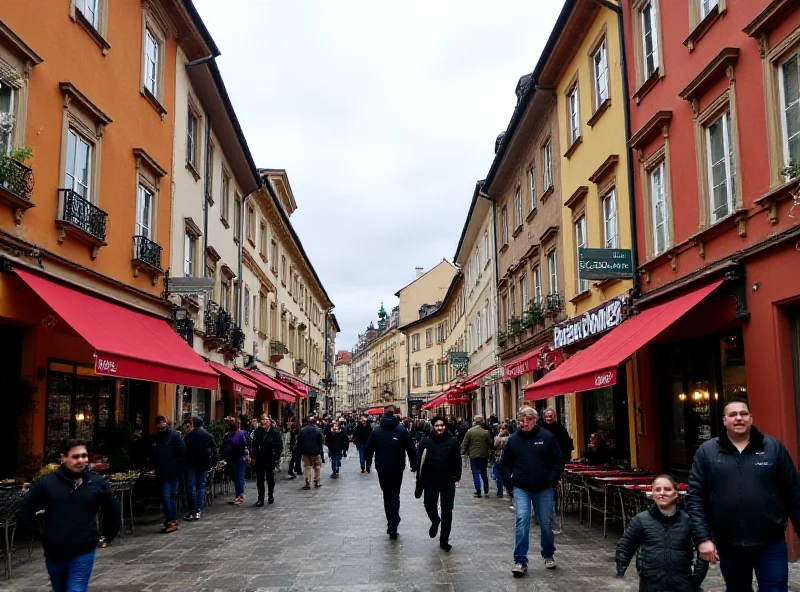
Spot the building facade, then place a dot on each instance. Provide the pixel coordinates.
(388, 365)
(340, 388)
(360, 369)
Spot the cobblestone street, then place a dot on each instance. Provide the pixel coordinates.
(334, 538)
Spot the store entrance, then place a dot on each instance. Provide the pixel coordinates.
(16, 402)
(605, 411)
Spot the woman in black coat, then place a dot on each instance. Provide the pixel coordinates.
(439, 473)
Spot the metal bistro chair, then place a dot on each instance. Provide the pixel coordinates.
(123, 490)
(10, 503)
(595, 495)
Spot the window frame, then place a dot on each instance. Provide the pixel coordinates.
(581, 242)
(519, 217)
(599, 94)
(573, 104)
(653, 23)
(152, 28)
(523, 291)
(194, 139)
(532, 186)
(782, 109)
(645, 82)
(547, 157)
(661, 169)
(536, 273)
(552, 271)
(504, 219)
(479, 328)
(610, 197)
(729, 159)
(89, 185)
(141, 229)
(237, 216)
(225, 197)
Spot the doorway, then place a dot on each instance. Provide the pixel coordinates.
(16, 401)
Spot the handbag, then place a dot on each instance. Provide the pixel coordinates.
(418, 488)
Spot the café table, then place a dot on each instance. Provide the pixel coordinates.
(600, 485)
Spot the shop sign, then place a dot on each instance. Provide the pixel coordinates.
(598, 320)
(528, 364)
(105, 366)
(298, 384)
(605, 264)
(459, 360)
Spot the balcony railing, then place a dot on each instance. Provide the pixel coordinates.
(147, 251)
(83, 214)
(554, 304)
(16, 178)
(217, 322)
(185, 328)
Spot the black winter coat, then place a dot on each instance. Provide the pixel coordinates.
(666, 552)
(70, 517)
(201, 450)
(743, 499)
(390, 443)
(336, 442)
(533, 460)
(361, 434)
(442, 459)
(167, 454)
(309, 441)
(267, 446)
(563, 438)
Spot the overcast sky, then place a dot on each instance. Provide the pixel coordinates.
(384, 114)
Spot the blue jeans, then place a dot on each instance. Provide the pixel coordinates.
(361, 455)
(770, 562)
(71, 575)
(478, 467)
(237, 474)
(336, 461)
(543, 502)
(494, 469)
(169, 487)
(195, 489)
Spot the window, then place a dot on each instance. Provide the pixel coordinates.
(532, 186)
(144, 215)
(649, 39)
(237, 217)
(523, 290)
(7, 110)
(486, 256)
(537, 284)
(580, 243)
(789, 81)
(415, 342)
(225, 296)
(189, 248)
(262, 244)
(574, 123)
(488, 313)
(283, 270)
(600, 67)
(552, 271)
(659, 209)
(477, 265)
(512, 300)
(251, 224)
(442, 371)
(721, 167)
(429, 374)
(610, 231)
(517, 208)
(151, 62)
(225, 195)
(78, 165)
(416, 376)
(478, 329)
(504, 217)
(246, 305)
(547, 154)
(466, 274)
(706, 6)
(192, 138)
(428, 337)
(88, 9)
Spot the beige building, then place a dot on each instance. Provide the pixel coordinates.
(428, 287)
(475, 256)
(388, 366)
(340, 388)
(360, 369)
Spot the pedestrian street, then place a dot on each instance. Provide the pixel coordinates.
(334, 538)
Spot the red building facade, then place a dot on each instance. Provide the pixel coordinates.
(715, 120)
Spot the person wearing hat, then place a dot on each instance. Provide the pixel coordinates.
(390, 443)
(201, 455)
(167, 455)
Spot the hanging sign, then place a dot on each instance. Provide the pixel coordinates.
(605, 264)
(595, 321)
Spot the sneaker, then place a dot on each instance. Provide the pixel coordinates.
(189, 517)
(259, 504)
(478, 493)
(317, 484)
(333, 475)
(363, 471)
(306, 487)
(239, 500)
(197, 515)
(172, 527)
(292, 476)
(549, 563)
(368, 469)
(270, 500)
(393, 535)
(519, 569)
(486, 491)
(511, 508)
(445, 546)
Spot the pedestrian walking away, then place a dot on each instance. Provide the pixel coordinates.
(743, 490)
(236, 454)
(266, 451)
(360, 436)
(167, 456)
(501, 476)
(667, 559)
(201, 456)
(294, 457)
(336, 441)
(478, 446)
(533, 460)
(390, 443)
(72, 495)
(439, 474)
(309, 446)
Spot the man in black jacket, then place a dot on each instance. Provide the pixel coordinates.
(201, 456)
(294, 459)
(743, 489)
(309, 446)
(167, 455)
(360, 436)
(71, 496)
(390, 443)
(266, 451)
(533, 459)
(552, 425)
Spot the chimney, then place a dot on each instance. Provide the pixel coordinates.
(418, 272)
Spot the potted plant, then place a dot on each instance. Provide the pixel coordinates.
(502, 337)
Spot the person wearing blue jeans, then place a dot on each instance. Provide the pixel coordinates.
(167, 456)
(195, 492)
(336, 441)
(533, 460)
(479, 467)
(201, 455)
(71, 575)
(478, 445)
(239, 467)
(235, 453)
(169, 489)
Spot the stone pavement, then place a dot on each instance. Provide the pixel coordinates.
(334, 538)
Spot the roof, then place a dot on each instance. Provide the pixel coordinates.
(442, 305)
(475, 196)
(201, 27)
(530, 88)
(422, 276)
(335, 323)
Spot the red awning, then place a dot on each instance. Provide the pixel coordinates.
(127, 343)
(523, 363)
(303, 394)
(296, 384)
(269, 388)
(596, 366)
(374, 411)
(235, 382)
(476, 377)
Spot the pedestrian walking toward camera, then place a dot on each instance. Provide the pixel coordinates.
(309, 446)
(501, 475)
(533, 460)
(266, 451)
(667, 559)
(438, 476)
(390, 443)
(71, 495)
(167, 457)
(295, 457)
(201, 456)
(478, 446)
(551, 424)
(743, 489)
(336, 441)
(360, 436)
(236, 454)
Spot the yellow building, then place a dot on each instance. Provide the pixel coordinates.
(583, 68)
(388, 363)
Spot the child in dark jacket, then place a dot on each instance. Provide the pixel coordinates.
(662, 536)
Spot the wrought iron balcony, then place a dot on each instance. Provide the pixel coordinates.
(147, 251)
(185, 328)
(83, 215)
(235, 339)
(217, 322)
(554, 304)
(16, 185)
